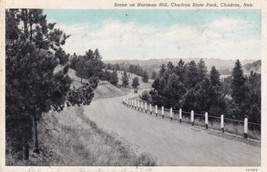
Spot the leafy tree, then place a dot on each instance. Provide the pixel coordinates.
(145, 77)
(153, 75)
(135, 82)
(125, 80)
(114, 77)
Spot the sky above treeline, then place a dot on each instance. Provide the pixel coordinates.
(157, 34)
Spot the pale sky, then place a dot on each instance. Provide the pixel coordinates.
(157, 34)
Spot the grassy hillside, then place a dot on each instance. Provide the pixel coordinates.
(142, 85)
(68, 138)
(107, 90)
(103, 90)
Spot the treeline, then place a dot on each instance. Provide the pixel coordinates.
(89, 65)
(191, 87)
(135, 69)
(112, 77)
(37, 78)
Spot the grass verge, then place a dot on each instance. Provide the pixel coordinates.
(70, 139)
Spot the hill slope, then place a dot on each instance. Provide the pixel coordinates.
(103, 90)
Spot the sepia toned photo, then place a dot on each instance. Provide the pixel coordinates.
(134, 87)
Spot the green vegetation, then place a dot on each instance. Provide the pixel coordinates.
(153, 75)
(70, 138)
(37, 77)
(125, 80)
(190, 87)
(135, 82)
(145, 77)
(89, 65)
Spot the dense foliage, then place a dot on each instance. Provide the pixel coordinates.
(135, 82)
(125, 79)
(37, 78)
(88, 65)
(190, 87)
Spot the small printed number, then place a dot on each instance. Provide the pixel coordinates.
(251, 169)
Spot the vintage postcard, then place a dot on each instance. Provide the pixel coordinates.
(133, 85)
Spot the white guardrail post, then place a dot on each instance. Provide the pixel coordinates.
(171, 113)
(150, 109)
(192, 117)
(206, 120)
(145, 107)
(135, 105)
(138, 105)
(162, 111)
(222, 123)
(246, 128)
(141, 106)
(180, 115)
(156, 110)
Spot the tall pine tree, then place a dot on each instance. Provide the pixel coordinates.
(125, 80)
(145, 77)
(239, 91)
(238, 84)
(135, 82)
(202, 70)
(192, 75)
(214, 76)
(114, 77)
(36, 75)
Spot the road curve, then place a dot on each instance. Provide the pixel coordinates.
(173, 144)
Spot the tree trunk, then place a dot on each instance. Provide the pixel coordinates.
(25, 22)
(36, 144)
(25, 149)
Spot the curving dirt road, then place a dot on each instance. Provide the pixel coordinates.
(173, 144)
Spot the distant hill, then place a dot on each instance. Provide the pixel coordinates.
(254, 66)
(225, 66)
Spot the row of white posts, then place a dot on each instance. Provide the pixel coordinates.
(142, 106)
